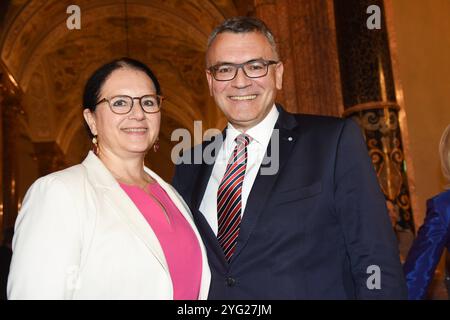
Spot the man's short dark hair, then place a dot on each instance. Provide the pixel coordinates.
(244, 25)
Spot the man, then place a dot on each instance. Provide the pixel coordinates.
(316, 227)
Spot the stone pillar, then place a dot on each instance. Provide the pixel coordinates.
(306, 35)
(368, 91)
(2, 94)
(10, 111)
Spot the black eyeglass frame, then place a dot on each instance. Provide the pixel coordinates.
(238, 66)
(159, 98)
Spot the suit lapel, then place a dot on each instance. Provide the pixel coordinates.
(198, 192)
(263, 184)
(209, 237)
(205, 171)
(127, 210)
(200, 185)
(120, 203)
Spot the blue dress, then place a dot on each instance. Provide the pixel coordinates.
(427, 249)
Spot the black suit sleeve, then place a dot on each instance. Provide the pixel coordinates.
(361, 208)
(181, 182)
(176, 180)
(185, 175)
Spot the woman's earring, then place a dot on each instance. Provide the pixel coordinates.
(95, 148)
(156, 145)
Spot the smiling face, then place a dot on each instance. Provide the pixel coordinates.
(244, 101)
(128, 134)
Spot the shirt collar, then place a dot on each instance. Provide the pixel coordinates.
(260, 133)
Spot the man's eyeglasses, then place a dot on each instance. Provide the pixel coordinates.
(150, 103)
(253, 69)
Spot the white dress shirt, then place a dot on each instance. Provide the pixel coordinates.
(256, 150)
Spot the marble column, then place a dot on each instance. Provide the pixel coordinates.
(368, 91)
(10, 111)
(2, 94)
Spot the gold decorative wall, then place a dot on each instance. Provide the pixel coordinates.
(368, 91)
(50, 65)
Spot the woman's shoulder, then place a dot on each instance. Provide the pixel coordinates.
(440, 203)
(443, 197)
(68, 176)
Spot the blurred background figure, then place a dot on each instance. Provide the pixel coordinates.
(433, 236)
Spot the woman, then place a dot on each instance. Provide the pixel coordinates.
(433, 236)
(110, 228)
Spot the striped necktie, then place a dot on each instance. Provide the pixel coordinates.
(229, 197)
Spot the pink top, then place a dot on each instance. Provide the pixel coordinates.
(177, 239)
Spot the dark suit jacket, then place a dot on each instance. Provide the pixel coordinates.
(310, 231)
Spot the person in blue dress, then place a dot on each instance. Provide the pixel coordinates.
(433, 236)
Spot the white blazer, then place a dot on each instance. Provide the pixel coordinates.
(79, 236)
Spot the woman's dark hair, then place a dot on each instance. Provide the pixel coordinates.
(95, 83)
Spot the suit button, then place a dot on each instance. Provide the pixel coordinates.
(231, 282)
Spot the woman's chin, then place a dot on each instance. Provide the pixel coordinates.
(137, 148)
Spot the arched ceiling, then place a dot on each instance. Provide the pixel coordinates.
(52, 63)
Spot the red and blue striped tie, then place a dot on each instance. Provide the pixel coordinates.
(229, 197)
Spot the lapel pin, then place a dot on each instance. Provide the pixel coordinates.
(290, 139)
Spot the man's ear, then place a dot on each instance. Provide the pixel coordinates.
(210, 79)
(89, 117)
(279, 75)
